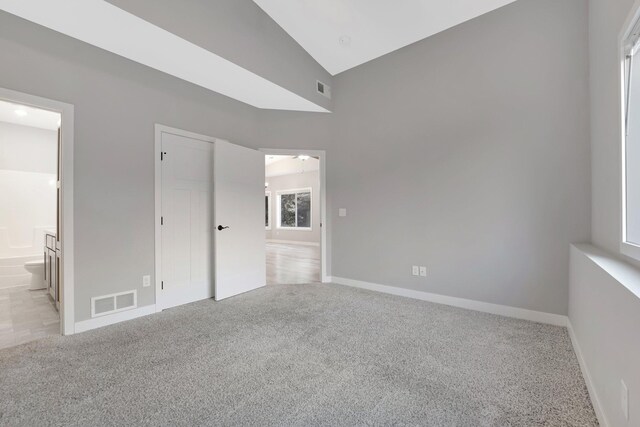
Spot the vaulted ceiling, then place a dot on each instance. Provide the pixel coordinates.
(111, 28)
(338, 34)
(342, 34)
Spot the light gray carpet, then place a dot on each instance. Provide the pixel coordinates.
(300, 355)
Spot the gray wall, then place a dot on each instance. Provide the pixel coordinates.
(468, 153)
(117, 102)
(238, 30)
(479, 133)
(289, 182)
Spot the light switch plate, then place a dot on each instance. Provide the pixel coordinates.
(146, 281)
(423, 271)
(342, 212)
(415, 270)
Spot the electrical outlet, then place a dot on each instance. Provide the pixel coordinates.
(342, 212)
(146, 281)
(415, 270)
(624, 399)
(423, 271)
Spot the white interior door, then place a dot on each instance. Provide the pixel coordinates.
(187, 168)
(240, 240)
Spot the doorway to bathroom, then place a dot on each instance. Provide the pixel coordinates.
(32, 222)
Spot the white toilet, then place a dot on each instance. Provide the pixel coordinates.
(36, 268)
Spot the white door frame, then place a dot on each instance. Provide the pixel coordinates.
(67, 302)
(159, 130)
(321, 155)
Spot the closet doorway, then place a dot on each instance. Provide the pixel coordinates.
(209, 236)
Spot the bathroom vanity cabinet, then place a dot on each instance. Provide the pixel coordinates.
(51, 266)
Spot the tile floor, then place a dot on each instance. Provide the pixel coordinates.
(26, 316)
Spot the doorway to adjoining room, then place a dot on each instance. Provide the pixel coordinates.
(30, 251)
(292, 219)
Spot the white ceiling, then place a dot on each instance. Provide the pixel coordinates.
(287, 165)
(373, 27)
(108, 27)
(28, 116)
(271, 159)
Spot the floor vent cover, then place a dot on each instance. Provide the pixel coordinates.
(108, 304)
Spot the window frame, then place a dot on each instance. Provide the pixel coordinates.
(295, 191)
(628, 45)
(267, 194)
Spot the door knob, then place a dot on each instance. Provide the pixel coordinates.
(220, 228)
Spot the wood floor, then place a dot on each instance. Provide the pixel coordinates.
(292, 264)
(26, 316)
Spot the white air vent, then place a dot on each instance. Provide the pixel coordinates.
(113, 303)
(323, 89)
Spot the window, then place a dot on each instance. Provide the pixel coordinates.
(294, 209)
(631, 144)
(267, 210)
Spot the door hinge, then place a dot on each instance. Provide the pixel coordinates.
(161, 220)
(162, 285)
(162, 154)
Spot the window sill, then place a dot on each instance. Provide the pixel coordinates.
(624, 273)
(632, 251)
(295, 228)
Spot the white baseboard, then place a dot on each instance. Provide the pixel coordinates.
(597, 407)
(293, 242)
(502, 310)
(99, 322)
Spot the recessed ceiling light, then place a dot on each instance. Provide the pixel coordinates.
(345, 41)
(21, 113)
(303, 157)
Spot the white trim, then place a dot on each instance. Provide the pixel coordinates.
(159, 130)
(322, 156)
(597, 406)
(632, 18)
(485, 307)
(67, 302)
(268, 195)
(626, 248)
(293, 242)
(122, 316)
(295, 192)
(632, 251)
